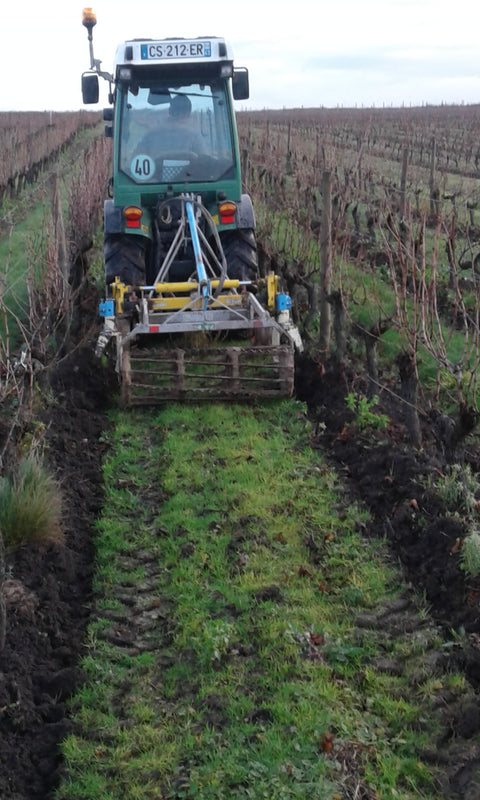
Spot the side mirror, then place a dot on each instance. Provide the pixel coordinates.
(240, 86)
(108, 114)
(90, 91)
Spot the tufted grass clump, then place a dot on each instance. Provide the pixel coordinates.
(459, 488)
(30, 506)
(470, 554)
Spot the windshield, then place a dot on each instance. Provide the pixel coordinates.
(171, 133)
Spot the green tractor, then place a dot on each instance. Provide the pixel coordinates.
(187, 313)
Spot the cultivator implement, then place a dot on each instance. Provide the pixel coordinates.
(209, 337)
(198, 374)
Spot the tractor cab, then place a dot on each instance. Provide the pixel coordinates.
(174, 114)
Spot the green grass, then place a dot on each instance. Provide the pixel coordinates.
(18, 251)
(223, 650)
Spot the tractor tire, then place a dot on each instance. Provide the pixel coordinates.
(124, 258)
(240, 249)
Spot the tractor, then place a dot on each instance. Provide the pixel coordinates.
(186, 313)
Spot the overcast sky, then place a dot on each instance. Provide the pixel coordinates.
(307, 53)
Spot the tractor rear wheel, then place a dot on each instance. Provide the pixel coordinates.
(124, 258)
(240, 249)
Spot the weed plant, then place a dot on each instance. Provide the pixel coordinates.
(224, 530)
(459, 488)
(365, 415)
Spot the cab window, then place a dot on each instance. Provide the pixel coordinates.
(171, 133)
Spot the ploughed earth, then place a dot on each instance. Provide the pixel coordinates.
(48, 590)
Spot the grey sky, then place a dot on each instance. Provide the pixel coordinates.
(354, 52)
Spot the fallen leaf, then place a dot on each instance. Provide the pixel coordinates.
(303, 571)
(326, 742)
(472, 597)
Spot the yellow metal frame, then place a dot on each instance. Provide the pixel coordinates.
(168, 294)
(174, 303)
(192, 286)
(272, 288)
(119, 290)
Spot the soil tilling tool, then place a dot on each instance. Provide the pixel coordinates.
(186, 313)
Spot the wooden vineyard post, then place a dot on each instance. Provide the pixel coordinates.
(288, 158)
(433, 165)
(325, 260)
(3, 613)
(403, 185)
(61, 266)
(59, 228)
(245, 168)
(409, 383)
(404, 229)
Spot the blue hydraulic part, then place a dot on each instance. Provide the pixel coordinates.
(107, 308)
(201, 272)
(283, 302)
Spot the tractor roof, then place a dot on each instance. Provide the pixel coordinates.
(169, 52)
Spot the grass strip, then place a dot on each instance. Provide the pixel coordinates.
(223, 657)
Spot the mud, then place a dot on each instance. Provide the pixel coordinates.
(48, 601)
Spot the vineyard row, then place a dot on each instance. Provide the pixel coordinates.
(30, 142)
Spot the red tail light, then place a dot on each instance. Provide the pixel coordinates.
(133, 215)
(227, 212)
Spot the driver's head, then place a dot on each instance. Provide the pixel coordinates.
(180, 107)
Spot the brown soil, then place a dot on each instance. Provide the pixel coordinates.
(49, 589)
(48, 601)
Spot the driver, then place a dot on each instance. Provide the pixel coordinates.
(180, 134)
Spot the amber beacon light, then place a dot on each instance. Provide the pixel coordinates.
(89, 18)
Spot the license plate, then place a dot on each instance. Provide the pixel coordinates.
(181, 49)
